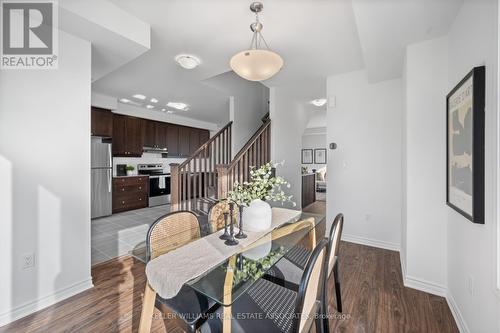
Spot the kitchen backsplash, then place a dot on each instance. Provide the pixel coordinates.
(147, 158)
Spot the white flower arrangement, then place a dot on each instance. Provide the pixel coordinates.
(261, 186)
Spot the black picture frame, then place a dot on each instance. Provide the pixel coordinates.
(305, 159)
(317, 160)
(466, 131)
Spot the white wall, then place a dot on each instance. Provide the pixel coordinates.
(364, 172)
(473, 41)
(248, 103)
(314, 141)
(424, 217)
(288, 122)
(45, 192)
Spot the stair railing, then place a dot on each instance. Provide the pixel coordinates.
(255, 153)
(196, 178)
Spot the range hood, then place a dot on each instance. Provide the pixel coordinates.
(155, 150)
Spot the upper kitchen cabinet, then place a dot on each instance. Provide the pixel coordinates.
(173, 140)
(128, 136)
(194, 140)
(184, 136)
(101, 123)
(149, 133)
(204, 136)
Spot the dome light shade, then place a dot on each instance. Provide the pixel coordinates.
(187, 61)
(256, 65)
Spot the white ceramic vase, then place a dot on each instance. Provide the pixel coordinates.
(130, 172)
(257, 216)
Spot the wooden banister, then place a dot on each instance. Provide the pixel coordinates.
(255, 153)
(194, 181)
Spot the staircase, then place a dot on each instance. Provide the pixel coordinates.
(205, 177)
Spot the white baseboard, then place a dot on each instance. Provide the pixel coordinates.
(455, 311)
(425, 286)
(39, 304)
(371, 242)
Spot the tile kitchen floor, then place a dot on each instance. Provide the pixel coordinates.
(123, 233)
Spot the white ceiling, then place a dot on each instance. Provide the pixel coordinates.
(316, 38)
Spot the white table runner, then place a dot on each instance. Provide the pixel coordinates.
(167, 273)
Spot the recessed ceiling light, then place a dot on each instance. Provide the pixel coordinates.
(164, 110)
(124, 100)
(170, 111)
(154, 100)
(319, 102)
(150, 106)
(139, 96)
(187, 61)
(178, 106)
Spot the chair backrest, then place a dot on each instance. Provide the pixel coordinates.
(216, 215)
(311, 286)
(170, 232)
(334, 240)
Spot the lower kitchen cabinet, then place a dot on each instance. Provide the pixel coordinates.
(130, 193)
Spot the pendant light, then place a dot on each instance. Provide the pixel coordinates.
(256, 64)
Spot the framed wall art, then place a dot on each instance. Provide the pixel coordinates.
(465, 146)
(307, 156)
(320, 156)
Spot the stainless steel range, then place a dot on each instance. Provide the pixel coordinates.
(159, 183)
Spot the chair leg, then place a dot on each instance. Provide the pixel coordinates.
(319, 324)
(148, 306)
(337, 285)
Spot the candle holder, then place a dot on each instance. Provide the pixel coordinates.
(241, 234)
(225, 235)
(231, 241)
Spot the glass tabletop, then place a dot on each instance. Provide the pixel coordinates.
(230, 279)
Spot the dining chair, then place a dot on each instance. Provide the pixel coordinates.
(188, 307)
(216, 215)
(287, 271)
(268, 307)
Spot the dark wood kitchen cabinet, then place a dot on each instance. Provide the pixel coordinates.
(155, 134)
(101, 122)
(184, 136)
(194, 140)
(149, 133)
(130, 193)
(173, 140)
(128, 136)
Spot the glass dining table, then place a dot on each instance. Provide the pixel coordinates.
(227, 281)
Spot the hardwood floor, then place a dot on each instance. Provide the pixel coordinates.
(373, 295)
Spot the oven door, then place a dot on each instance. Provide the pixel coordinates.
(159, 190)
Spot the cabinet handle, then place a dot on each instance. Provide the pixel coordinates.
(123, 189)
(140, 199)
(123, 202)
(140, 188)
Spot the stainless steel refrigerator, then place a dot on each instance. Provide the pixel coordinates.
(101, 177)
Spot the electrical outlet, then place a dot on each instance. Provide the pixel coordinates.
(28, 260)
(470, 285)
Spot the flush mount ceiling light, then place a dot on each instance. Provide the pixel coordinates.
(318, 102)
(139, 96)
(124, 100)
(153, 100)
(256, 64)
(149, 106)
(187, 61)
(178, 106)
